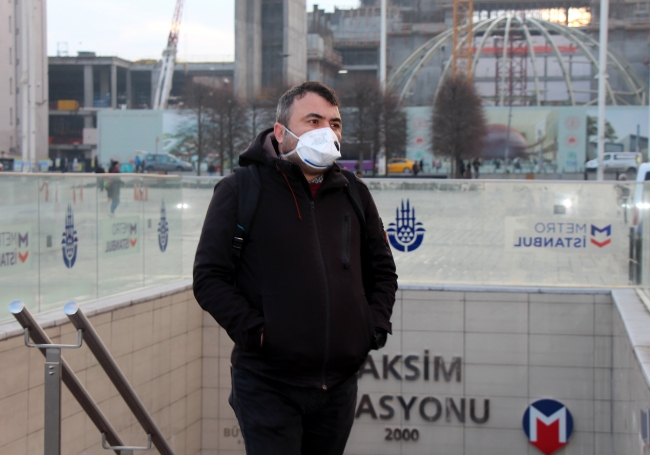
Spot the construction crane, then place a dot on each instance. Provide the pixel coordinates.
(164, 86)
(463, 39)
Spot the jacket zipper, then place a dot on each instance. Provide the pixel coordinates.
(346, 241)
(327, 296)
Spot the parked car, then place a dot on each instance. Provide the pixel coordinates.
(155, 162)
(617, 161)
(400, 166)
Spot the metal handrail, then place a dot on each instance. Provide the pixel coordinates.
(51, 346)
(124, 449)
(27, 321)
(97, 347)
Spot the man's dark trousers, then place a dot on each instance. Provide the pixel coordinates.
(279, 419)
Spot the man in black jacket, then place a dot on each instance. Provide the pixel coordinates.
(312, 291)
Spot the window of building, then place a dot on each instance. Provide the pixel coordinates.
(360, 56)
(11, 57)
(11, 85)
(11, 115)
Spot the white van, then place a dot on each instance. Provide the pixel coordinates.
(617, 161)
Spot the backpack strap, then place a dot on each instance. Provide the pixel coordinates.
(250, 187)
(352, 190)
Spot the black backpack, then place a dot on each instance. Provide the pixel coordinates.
(250, 186)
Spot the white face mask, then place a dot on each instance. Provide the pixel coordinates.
(317, 148)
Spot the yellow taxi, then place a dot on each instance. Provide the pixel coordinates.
(400, 166)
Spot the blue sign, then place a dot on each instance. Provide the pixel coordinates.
(405, 234)
(163, 229)
(548, 425)
(69, 241)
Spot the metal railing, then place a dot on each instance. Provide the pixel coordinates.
(57, 370)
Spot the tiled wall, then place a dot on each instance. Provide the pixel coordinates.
(631, 330)
(156, 343)
(515, 348)
(220, 431)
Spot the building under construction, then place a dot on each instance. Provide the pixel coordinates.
(520, 52)
(270, 46)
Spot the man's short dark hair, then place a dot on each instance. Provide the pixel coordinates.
(284, 105)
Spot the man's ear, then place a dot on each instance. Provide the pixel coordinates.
(278, 131)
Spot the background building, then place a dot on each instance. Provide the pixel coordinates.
(82, 86)
(354, 35)
(14, 84)
(270, 46)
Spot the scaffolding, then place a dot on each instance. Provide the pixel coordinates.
(511, 69)
(462, 39)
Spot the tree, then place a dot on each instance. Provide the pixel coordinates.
(262, 115)
(198, 98)
(376, 120)
(394, 126)
(361, 95)
(459, 125)
(592, 129)
(230, 125)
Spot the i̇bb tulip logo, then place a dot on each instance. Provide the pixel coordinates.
(548, 425)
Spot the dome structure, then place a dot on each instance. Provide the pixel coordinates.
(524, 61)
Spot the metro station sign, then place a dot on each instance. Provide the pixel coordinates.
(548, 425)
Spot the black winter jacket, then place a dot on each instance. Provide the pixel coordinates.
(292, 280)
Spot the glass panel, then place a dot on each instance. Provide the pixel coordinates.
(19, 246)
(507, 233)
(120, 235)
(641, 242)
(163, 215)
(68, 239)
(65, 237)
(77, 237)
(556, 234)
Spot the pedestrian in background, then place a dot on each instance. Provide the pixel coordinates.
(476, 163)
(313, 289)
(113, 187)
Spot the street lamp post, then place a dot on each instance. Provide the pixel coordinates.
(381, 165)
(505, 164)
(602, 81)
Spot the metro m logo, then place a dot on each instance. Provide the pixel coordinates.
(537, 417)
(548, 425)
(23, 239)
(607, 231)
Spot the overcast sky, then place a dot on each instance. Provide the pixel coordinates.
(137, 29)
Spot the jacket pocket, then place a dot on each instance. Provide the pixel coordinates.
(346, 240)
